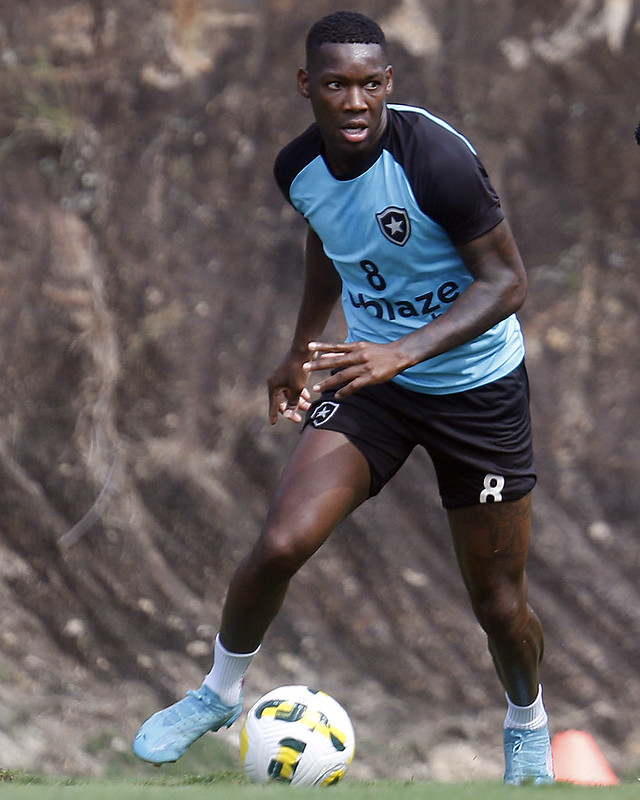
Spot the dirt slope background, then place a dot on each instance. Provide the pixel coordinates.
(149, 271)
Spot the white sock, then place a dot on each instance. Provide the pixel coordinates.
(526, 717)
(227, 674)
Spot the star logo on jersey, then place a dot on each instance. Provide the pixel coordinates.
(323, 413)
(394, 224)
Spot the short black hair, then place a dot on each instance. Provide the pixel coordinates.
(344, 27)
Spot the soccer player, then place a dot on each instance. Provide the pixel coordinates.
(405, 227)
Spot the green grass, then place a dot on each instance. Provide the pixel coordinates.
(210, 771)
(234, 786)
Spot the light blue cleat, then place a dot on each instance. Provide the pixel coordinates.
(165, 736)
(528, 757)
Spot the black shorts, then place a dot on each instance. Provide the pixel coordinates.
(479, 440)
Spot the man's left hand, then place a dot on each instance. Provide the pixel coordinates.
(359, 364)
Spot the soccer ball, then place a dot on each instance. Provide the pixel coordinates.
(298, 736)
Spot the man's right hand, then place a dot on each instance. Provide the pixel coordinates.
(287, 392)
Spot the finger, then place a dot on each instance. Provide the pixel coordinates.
(326, 361)
(349, 388)
(278, 403)
(328, 347)
(333, 381)
(304, 401)
(292, 410)
(274, 408)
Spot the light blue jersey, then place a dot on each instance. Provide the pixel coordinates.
(392, 229)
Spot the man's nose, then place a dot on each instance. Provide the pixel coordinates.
(355, 100)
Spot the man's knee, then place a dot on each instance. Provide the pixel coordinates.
(278, 555)
(502, 612)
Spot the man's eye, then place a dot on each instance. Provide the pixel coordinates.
(334, 85)
(372, 85)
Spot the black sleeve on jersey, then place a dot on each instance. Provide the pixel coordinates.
(295, 156)
(449, 181)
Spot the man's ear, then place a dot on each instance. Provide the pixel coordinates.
(388, 73)
(303, 82)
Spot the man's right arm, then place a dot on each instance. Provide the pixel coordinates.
(322, 287)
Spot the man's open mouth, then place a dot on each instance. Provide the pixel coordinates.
(354, 132)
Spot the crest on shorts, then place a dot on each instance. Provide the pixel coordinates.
(394, 224)
(323, 413)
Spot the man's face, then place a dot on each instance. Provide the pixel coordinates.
(348, 85)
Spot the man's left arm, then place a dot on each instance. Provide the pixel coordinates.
(497, 291)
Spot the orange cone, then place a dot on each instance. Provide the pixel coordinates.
(577, 758)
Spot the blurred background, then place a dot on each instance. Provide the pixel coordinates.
(149, 279)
